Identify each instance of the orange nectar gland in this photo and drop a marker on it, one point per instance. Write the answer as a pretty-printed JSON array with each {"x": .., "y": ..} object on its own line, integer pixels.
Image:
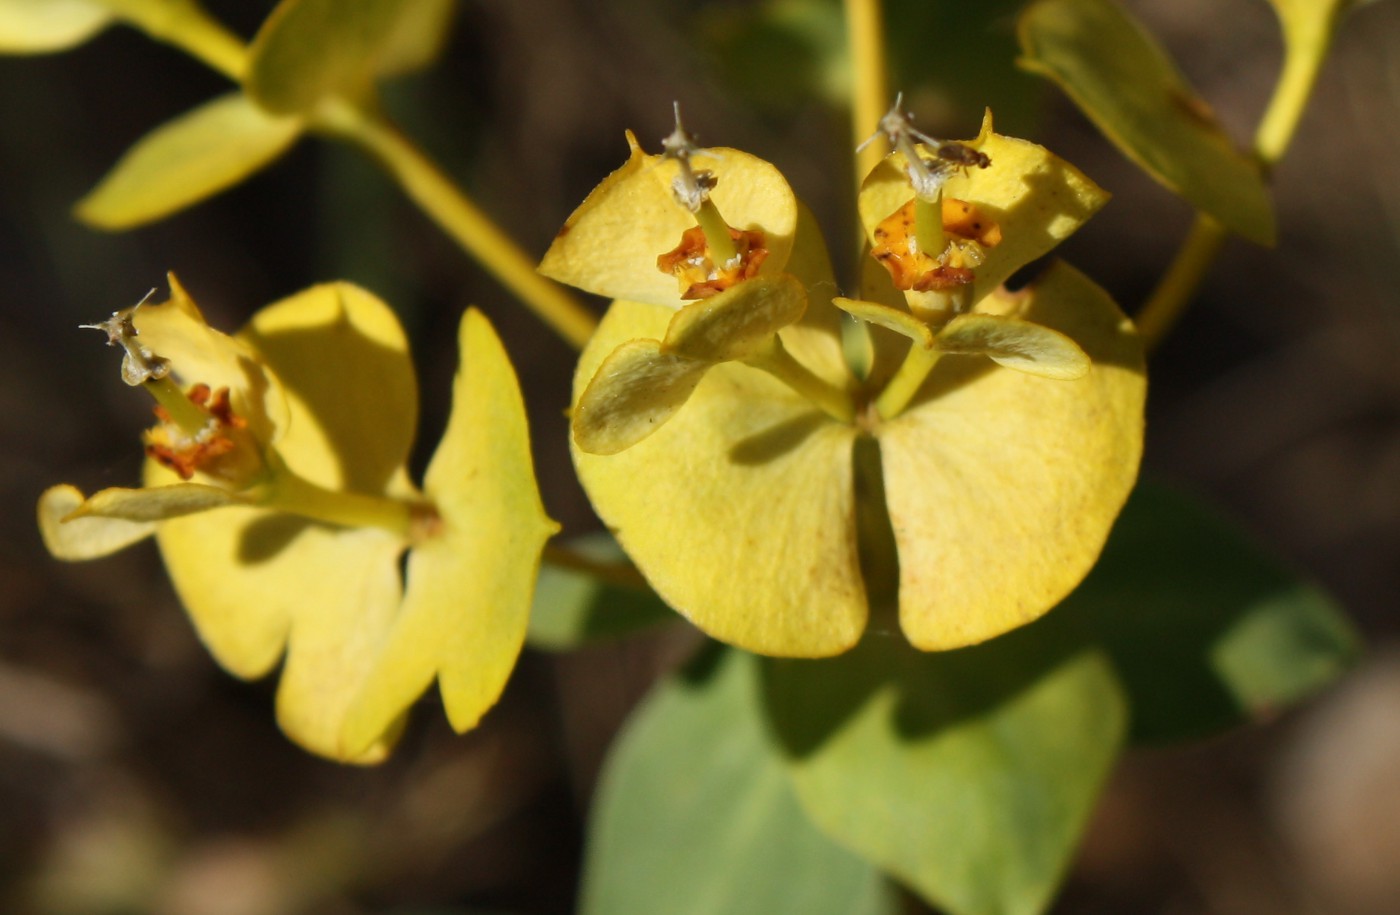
[
  {"x": 970, "y": 232},
  {"x": 700, "y": 277},
  {"x": 213, "y": 450}
]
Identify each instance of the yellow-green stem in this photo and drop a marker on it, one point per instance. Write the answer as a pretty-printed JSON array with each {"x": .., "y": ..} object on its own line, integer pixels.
[
  {"x": 778, "y": 362},
  {"x": 918, "y": 362},
  {"x": 451, "y": 209},
  {"x": 183, "y": 412},
  {"x": 288, "y": 492},
  {"x": 185, "y": 25},
  {"x": 623, "y": 574},
  {"x": 870, "y": 96},
  {"x": 1302, "y": 63},
  {"x": 1177, "y": 286},
  {"x": 717, "y": 238},
  {"x": 928, "y": 225}
]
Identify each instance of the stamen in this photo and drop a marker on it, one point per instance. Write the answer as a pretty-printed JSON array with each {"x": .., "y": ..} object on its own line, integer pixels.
[
  {"x": 692, "y": 191},
  {"x": 139, "y": 364},
  {"x": 927, "y": 176}
]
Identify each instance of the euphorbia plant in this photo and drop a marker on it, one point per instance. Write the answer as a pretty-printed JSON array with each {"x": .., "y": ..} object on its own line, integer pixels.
[
  {"x": 716, "y": 421},
  {"x": 885, "y": 493}
]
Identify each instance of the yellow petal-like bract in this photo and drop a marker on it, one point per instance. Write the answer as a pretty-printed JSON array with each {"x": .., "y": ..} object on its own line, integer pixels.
[
  {"x": 258, "y": 583},
  {"x": 1002, "y": 485},
  {"x": 740, "y": 510},
  {"x": 469, "y": 588},
  {"x": 611, "y": 242},
  {"x": 1008, "y": 438},
  {"x": 1035, "y": 197}
]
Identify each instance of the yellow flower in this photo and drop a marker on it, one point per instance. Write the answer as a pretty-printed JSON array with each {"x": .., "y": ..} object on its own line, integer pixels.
[
  {"x": 284, "y": 543},
  {"x": 740, "y": 461}
]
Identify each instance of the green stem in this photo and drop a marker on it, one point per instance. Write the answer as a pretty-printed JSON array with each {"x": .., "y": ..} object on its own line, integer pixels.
[
  {"x": 1302, "y": 62},
  {"x": 288, "y": 492},
  {"x": 185, "y": 25},
  {"x": 778, "y": 362},
  {"x": 457, "y": 215},
  {"x": 1177, "y": 286},
  {"x": 870, "y": 94},
  {"x": 623, "y": 574},
  {"x": 717, "y": 238},
  {"x": 918, "y": 362},
  {"x": 1303, "y": 59}
]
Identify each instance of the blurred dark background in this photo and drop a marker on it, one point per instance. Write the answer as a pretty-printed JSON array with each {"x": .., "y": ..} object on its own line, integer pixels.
[{"x": 137, "y": 777}]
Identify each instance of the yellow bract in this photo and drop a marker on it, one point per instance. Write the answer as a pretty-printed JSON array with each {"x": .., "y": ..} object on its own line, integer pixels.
[
  {"x": 643, "y": 382},
  {"x": 1036, "y": 198},
  {"x": 738, "y": 497},
  {"x": 611, "y": 242},
  {"x": 739, "y": 509},
  {"x": 303, "y": 565},
  {"x": 1002, "y": 486}
]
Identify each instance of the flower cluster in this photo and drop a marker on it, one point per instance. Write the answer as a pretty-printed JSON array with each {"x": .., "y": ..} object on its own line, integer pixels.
[
  {"x": 721, "y": 431},
  {"x": 276, "y": 488}
]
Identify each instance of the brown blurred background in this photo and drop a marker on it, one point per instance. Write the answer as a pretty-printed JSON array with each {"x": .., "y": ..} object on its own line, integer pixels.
[{"x": 137, "y": 777}]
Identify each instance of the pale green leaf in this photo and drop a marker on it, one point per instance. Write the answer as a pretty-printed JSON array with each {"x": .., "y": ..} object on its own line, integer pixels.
[
  {"x": 1016, "y": 344},
  {"x": 633, "y": 393},
  {"x": 1126, "y": 84},
  {"x": 1204, "y": 628},
  {"x": 186, "y": 160},
  {"x": 895, "y": 319},
  {"x": 72, "y": 539},
  {"x": 737, "y": 323},
  {"x": 695, "y": 814},
  {"x": 39, "y": 26},
  {"x": 969, "y": 775}
]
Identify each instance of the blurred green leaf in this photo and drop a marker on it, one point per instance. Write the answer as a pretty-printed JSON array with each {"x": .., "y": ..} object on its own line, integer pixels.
[
  {"x": 1204, "y": 629},
  {"x": 968, "y": 774},
  {"x": 695, "y": 813},
  {"x": 951, "y": 60},
  {"x": 1123, "y": 80},
  {"x": 780, "y": 52},
  {"x": 954, "y": 60},
  {"x": 575, "y": 607},
  {"x": 185, "y": 160},
  {"x": 310, "y": 49},
  {"x": 39, "y": 26}
]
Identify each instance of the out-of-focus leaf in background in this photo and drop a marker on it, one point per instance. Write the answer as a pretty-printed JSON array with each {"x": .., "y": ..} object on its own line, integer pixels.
[
  {"x": 968, "y": 774},
  {"x": 1132, "y": 91},
  {"x": 1204, "y": 629},
  {"x": 696, "y": 814},
  {"x": 186, "y": 160}
]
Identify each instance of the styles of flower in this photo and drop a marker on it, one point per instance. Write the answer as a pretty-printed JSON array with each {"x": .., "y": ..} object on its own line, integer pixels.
[
  {"x": 971, "y": 457},
  {"x": 277, "y": 491}
]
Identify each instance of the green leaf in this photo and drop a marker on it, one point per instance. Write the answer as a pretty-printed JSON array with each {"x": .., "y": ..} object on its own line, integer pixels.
[
  {"x": 40, "y": 26},
  {"x": 310, "y": 49},
  {"x": 186, "y": 160},
  {"x": 573, "y": 607},
  {"x": 1123, "y": 80},
  {"x": 1204, "y": 629},
  {"x": 695, "y": 814},
  {"x": 969, "y": 774}
]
